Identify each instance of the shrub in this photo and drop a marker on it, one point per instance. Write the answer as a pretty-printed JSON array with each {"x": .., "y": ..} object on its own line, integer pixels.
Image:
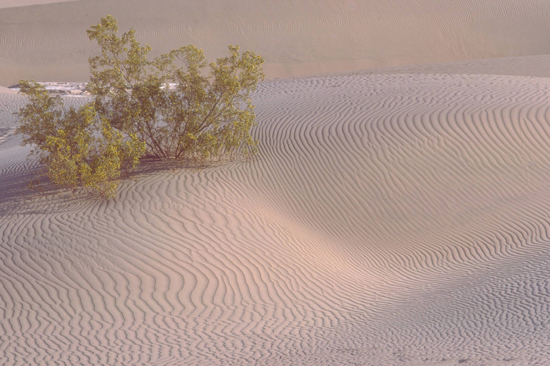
[
  {"x": 75, "y": 146},
  {"x": 201, "y": 115},
  {"x": 168, "y": 107}
]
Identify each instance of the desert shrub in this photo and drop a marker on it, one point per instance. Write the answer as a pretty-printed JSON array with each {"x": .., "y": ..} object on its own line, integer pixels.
[
  {"x": 168, "y": 107},
  {"x": 173, "y": 103},
  {"x": 75, "y": 146}
]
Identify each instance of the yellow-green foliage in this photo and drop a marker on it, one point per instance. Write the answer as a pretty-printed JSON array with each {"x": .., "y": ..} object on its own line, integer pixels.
[
  {"x": 75, "y": 146},
  {"x": 207, "y": 114}
]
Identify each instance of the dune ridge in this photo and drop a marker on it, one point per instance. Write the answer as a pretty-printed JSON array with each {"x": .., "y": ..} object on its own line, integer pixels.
[{"x": 389, "y": 219}]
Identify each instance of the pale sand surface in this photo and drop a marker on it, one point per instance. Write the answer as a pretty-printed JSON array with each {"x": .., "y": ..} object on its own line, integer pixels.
[
  {"x": 393, "y": 219},
  {"x": 538, "y": 66},
  {"x": 4, "y": 90},
  {"x": 297, "y": 37},
  {"x": 19, "y": 3},
  {"x": 394, "y": 216}
]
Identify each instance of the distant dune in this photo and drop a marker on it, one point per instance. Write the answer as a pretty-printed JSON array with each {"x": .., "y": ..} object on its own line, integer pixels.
[
  {"x": 20, "y": 3},
  {"x": 297, "y": 37}
]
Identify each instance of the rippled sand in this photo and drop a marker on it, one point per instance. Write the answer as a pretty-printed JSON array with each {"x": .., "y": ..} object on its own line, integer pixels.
[
  {"x": 394, "y": 216},
  {"x": 389, "y": 219}
]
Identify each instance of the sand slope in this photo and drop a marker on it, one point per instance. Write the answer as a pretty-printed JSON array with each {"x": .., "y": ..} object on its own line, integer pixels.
[
  {"x": 304, "y": 37},
  {"x": 20, "y": 3},
  {"x": 389, "y": 220},
  {"x": 538, "y": 66},
  {"x": 4, "y": 90}
]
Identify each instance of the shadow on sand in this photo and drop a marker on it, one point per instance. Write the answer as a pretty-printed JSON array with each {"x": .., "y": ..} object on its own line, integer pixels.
[{"x": 19, "y": 198}]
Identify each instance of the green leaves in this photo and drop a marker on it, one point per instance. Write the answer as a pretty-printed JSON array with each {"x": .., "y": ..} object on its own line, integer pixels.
[
  {"x": 175, "y": 106},
  {"x": 75, "y": 146},
  {"x": 201, "y": 115}
]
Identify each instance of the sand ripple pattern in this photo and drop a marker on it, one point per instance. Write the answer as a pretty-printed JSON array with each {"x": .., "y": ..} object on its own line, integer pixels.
[{"x": 389, "y": 220}]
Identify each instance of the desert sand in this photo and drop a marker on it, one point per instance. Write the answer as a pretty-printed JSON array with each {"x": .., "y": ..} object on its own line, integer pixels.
[
  {"x": 20, "y": 3},
  {"x": 296, "y": 37},
  {"x": 397, "y": 216},
  {"x": 4, "y": 90}
]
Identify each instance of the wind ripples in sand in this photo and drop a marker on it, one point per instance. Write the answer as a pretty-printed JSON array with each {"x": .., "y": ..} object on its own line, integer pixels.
[{"x": 387, "y": 220}]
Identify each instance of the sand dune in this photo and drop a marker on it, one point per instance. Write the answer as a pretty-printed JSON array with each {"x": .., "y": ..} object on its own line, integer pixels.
[
  {"x": 19, "y": 3},
  {"x": 389, "y": 220},
  {"x": 538, "y": 66},
  {"x": 395, "y": 216},
  {"x": 4, "y": 90},
  {"x": 297, "y": 38}
]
